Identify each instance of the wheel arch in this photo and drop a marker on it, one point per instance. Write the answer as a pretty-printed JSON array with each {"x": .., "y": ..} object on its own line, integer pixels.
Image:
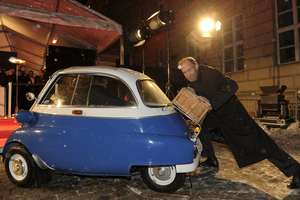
[{"x": 10, "y": 145}]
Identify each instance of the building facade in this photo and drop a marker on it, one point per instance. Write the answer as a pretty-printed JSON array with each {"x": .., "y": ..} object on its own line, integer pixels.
[{"x": 258, "y": 44}]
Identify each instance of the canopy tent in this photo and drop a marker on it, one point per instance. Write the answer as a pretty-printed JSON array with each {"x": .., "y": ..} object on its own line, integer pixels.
[{"x": 27, "y": 27}]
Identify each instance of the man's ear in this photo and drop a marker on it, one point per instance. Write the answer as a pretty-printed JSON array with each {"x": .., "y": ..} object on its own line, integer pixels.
[{"x": 196, "y": 66}]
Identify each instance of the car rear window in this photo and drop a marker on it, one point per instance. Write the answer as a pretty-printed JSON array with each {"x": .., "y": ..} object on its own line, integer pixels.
[{"x": 151, "y": 94}]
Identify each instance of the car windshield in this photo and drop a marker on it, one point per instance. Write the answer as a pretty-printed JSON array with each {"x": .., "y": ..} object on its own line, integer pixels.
[{"x": 152, "y": 94}]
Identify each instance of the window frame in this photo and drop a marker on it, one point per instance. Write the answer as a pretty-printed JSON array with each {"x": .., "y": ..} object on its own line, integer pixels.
[
  {"x": 192, "y": 45},
  {"x": 295, "y": 27},
  {"x": 234, "y": 45}
]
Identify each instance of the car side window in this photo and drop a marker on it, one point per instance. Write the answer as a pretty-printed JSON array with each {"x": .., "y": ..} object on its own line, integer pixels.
[
  {"x": 69, "y": 89},
  {"x": 61, "y": 92},
  {"x": 107, "y": 91},
  {"x": 88, "y": 90},
  {"x": 82, "y": 88}
]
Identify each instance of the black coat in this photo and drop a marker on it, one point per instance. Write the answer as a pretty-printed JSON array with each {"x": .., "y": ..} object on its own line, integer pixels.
[{"x": 247, "y": 141}]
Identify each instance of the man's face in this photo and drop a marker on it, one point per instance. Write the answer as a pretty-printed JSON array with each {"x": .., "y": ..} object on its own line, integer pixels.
[
  {"x": 31, "y": 74},
  {"x": 189, "y": 70},
  {"x": 23, "y": 69}
]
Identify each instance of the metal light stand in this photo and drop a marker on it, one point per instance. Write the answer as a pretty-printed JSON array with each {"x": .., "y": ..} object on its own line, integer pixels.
[
  {"x": 143, "y": 67},
  {"x": 17, "y": 83},
  {"x": 168, "y": 85}
]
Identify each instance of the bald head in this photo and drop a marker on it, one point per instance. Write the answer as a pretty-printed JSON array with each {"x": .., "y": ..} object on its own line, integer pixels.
[{"x": 189, "y": 68}]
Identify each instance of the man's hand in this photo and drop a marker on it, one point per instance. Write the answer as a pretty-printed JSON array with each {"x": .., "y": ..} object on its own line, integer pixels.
[
  {"x": 204, "y": 99},
  {"x": 191, "y": 89}
]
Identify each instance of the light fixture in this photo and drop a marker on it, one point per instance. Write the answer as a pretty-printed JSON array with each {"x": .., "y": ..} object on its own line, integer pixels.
[
  {"x": 218, "y": 25},
  {"x": 16, "y": 60},
  {"x": 208, "y": 27},
  {"x": 159, "y": 19},
  {"x": 55, "y": 39},
  {"x": 140, "y": 35}
]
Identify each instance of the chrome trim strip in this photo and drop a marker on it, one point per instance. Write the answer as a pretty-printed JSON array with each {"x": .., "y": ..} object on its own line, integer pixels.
[
  {"x": 40, "y": 162},
  {"x": 140, "y": 117}
]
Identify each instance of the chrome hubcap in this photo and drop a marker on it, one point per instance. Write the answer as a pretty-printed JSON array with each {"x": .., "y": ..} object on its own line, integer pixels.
[
  {"x": 164, "y": 175},
  {"x": 17, "y": 167},
  {"x": 161, "y": 173}
]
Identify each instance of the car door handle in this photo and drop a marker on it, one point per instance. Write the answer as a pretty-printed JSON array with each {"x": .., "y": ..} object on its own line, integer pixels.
[{"x": 77, "y": 112}]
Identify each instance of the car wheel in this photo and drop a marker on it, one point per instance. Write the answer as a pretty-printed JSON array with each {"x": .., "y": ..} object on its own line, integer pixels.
[
  {"x": 19, "y": 166},
  {"x": 162, "y": 178}
]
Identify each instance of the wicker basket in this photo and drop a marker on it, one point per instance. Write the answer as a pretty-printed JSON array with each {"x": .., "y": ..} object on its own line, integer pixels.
[{"x": 189, "y": 104}]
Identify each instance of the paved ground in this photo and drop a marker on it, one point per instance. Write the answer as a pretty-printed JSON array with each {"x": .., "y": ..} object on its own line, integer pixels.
[{"x": 259, "y": 181}]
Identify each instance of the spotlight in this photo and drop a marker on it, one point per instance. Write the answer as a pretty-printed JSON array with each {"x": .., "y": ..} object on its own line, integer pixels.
[
  {"x": 160, "y": 19},
  {"x": 144, "y": 33},
  {"x": 140, "y": 35}
]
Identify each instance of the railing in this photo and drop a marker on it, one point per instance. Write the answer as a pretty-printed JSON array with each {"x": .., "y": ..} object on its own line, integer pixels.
[
  {"x": 13, "y": 95},
  {"x": 250, "y": 102}
]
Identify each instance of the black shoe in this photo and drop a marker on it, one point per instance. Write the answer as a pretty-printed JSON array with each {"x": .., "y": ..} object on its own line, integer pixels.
[
  {"x": 210, "y": 163},
  {"x": 295, "y": 184}
]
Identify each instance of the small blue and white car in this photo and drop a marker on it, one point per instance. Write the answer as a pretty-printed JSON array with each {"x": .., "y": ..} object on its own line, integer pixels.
[{"x": 101, "y": 121}]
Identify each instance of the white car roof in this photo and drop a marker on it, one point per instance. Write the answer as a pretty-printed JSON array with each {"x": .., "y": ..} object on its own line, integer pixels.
[{"x": 127, "y": 74}]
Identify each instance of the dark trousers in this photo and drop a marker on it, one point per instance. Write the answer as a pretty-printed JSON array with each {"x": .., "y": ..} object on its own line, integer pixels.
[{"x": 284, "y": 162}]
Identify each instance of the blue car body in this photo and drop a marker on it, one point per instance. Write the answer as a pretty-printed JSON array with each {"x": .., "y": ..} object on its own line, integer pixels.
[{"x": 103, "y": 140}]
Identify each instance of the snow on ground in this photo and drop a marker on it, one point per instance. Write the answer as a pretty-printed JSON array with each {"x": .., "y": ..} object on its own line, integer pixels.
[{"x": 285, "y": 137}]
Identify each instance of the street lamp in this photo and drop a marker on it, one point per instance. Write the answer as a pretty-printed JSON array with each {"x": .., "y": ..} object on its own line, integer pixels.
[
  {"x": 206, "y": 30},
  {"x": 17, "y": 62},
  {"x": 209, "y": 27}
]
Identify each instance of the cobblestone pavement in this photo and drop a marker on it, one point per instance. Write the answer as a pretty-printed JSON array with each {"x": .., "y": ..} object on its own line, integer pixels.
[{"x": 258, "y": 181}]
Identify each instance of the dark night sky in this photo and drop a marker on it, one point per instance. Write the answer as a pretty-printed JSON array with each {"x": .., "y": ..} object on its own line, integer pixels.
[{"x": 83, "y": 1}]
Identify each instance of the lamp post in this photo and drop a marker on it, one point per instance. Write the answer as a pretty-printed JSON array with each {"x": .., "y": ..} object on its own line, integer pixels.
[
  {"x": 17, "y": 62},
  {"x": 208, "y": 28}
]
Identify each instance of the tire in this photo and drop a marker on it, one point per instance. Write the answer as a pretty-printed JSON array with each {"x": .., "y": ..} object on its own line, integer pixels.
[
  {"x": 19, "y": 166},
  {"x": 162, "y": 178}
]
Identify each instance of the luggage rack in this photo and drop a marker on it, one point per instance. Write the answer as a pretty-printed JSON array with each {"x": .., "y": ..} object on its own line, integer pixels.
[{"x": 197, "y": 123}]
